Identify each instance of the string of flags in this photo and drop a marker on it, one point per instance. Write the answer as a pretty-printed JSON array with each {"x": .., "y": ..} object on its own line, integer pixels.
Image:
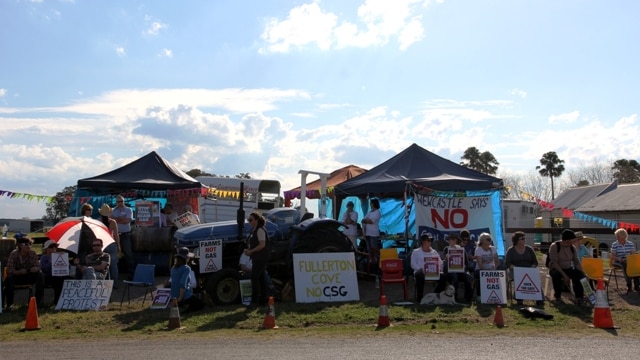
[
  {"x": 568, "y": 213},
  {"x": 26, "y": 196}
]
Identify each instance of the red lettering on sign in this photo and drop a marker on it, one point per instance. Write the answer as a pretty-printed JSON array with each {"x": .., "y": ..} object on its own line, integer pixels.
[{"x": 450, "y": 219}]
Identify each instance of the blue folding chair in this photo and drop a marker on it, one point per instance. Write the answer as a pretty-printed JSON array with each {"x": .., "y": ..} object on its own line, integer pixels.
[{"x": 144, "y": 276}]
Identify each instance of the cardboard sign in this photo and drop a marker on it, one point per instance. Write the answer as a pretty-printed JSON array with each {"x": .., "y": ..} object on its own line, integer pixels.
[
  {"x": 210, "y": 256},
  {"x": 85, "y": 295},
  {"x": 144, "y": 213},
  {"x": 60, "y": 264},
  {"x": 325, "y": 277},
  {"x": 493, "y": 286},
  {"x": 245, "y": 291},
  {"x": 455, "y": 260},
  {"x": 588, "y": 291},
  {"x": 431, "y": 267},
  {"x": 186, "y": 219},
  {"x": 526, "y": 281},
  {"x": 161, "y": 298}
]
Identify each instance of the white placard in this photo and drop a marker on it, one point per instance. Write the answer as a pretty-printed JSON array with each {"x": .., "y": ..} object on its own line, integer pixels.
[
  {"x": 161, "y": 298},
  {"x": 245, "y": 291},
  {"x": 526, "y": 282},
  {"x": 59, "y": 264},
  {"x": 85, "y": 294},
  {"x": 493, "y": 286},
  {"x": 325, "y": 277},
  {"x": 186, "y": 219},
  {"x": 210, "y": 256}
]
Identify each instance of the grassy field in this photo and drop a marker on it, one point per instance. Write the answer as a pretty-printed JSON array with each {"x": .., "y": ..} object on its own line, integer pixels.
[{"x": 352, "y": 319}]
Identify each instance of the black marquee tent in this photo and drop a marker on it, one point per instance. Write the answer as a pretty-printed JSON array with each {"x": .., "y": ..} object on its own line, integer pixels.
[
  {"x": 419, "y": 167},
  {"x": 150, "y": 172}
]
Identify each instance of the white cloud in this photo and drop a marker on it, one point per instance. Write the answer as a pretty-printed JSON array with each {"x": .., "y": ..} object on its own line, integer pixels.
[
  {"x": 120, "y": 51},
  {"x": 567, "y": 118},
  {"x": 518, "y": 92},
  {"x": 154, "y": 28},
  {"x": 166, "y": 53},
  {"x": 377, "y": 22},
  {"x": 3, "y": 92}
]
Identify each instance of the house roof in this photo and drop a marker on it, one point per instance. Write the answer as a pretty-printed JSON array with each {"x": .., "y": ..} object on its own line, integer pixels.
[
  {"x": 573, "y": 198},
  {"x": 624, "y": 197},
  {"x": 336, "y": 177}
]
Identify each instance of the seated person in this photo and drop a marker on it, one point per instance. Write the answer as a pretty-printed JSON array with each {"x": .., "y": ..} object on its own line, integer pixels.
[
  {"x": 420, "y": 260},
  {"x": 469, "y": 246},
  {"x": 520, "y": 255},
  {"x": 564, "y": 266},
  {"x": 486, "y": 256},
  {"x": 583, "y": 251},
  {"x": 56, "y": 282},
  {"x": 619, "y": 251},
  {"x": 454, "y": 277},
  {"x": 96, "y": 264},
  {"x": 23, "y": 268},
  {"x": 180, "y": 283}
]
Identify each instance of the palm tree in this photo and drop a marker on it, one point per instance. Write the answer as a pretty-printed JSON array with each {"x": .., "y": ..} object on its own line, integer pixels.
[
  {"x": 483, "y": 162},
  {"x": 551, "y": 166},
  {"x": 626, "y": 171}
]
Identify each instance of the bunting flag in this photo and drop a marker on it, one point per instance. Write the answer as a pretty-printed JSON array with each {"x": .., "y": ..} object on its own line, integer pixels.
[
  {"x": 309, "y": 194},
  {"x": 568, "y": 213},
  {"x": 25, "y": 196}
]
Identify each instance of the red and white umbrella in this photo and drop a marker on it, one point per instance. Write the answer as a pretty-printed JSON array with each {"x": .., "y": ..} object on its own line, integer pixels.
[{"x": 70, "y": 233}]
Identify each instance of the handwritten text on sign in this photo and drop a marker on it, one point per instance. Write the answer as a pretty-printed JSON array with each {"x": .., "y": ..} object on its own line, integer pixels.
[
  {"x": 210, "y": 255},
  {"x": 85, "y": 294},
  {"x": 325, "y": 277}
]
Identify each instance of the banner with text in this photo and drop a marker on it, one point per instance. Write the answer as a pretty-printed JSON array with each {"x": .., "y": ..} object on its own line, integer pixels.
[
  {"x": 325, "y": 277},
  {"x": 441, "y": 215},
  {"x": 210, "y": 255},
  {"x": 85, "y": 295}
]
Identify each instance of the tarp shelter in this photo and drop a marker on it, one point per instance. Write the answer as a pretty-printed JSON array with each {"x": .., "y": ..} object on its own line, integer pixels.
[
  {"x": 416, "y": 169},
  {"x": 150, "y": 172}
]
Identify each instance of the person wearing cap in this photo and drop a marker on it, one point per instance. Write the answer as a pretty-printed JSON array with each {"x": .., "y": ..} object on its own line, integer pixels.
[
  {"x": 23, "y": 268},
  {"x": 113, "y": 249},
  {"x": 582, "y": 250},
  {"x": 55, "y": 282},
  {"x": 420, "y": 258},
  {"x": 619, "y": 251},
  {"x": 565, "y": 266},
  {"x": 180, "y": 282},
  {"x": 350, "y": 221}
]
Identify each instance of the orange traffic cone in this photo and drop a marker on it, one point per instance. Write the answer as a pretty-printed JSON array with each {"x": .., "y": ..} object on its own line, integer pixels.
[
  {"x": 383, "y": 317},
  {"x": 32, "y": 322},
  {"x": 270, "y": 319},
  {"x": 174, "y": 316},
  {"x": 601, "y": 311},
  {"x": 497, "y": 319}
]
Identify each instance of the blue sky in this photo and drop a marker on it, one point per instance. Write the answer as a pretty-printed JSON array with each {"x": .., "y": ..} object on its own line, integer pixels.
[{"x": 272, "y": 87}]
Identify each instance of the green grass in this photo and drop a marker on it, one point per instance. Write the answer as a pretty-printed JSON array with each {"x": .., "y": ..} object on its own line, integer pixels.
[{"x": 350, "y": 319}]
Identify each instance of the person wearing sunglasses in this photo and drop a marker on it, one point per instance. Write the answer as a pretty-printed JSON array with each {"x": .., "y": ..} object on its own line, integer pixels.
[
  {"x": 23, "y": 268},
  {"x": 97, "y": 263}
]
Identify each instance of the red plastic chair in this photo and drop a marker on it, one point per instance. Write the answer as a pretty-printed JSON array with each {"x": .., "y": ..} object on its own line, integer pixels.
[{"x": 392, "y": 273}]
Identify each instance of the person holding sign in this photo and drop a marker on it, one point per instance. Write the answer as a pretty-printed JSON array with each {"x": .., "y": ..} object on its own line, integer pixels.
[
  {"x": 455, "y": 266},
  {"x": 259, "y": 253},
  {"x": 96, "y": 264},
  {"x": 180, "y": 282},
  {"x": 426, "y": 265},
  {"x": 520, "y": 254},
  {"x": 56, "y": 282},
  {"x": 486, "y": 256}
]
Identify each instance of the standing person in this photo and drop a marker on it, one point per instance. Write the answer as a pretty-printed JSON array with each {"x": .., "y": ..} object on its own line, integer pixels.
[
  {"x": 564, "y": 266},
  {"x": 123, "y": 217},
  {"x": 370, "y": 223},
  {"x": 259, "y": 253},
  {"x": 419, "y": 258},
  {"x": 189, "y": 208},
  {"x": 520, "y": 254},
  {"x": 180, "y": 282},
  {"x": 619, "y": 251},
  {"x": 350, "y": 220},
  {"x": 23, "y": 268},
  {"x": 114, "y": 248},
  {"x": 170, "y": 215},
  {"x": 56, "y": 282},
  {"x": 97, "y": 263},
  {"x": 84, "y": 245}
]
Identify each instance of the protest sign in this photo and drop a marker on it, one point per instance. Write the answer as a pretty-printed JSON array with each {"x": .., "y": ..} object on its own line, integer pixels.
[
  {"x": 245, "y": 291},
  {"x": 59, "y": 264},
  {"x": 85, "y": 294},
  {"x": 455, "y": 260},
  {"x": 493, "y": 287},
  {"x": 431, "y": 267},
  {"x": 325, "y": 277},
  {"x": 526, "y": 281},
  {"x": 161, "y": 298},
  {"x": 186, "y": 219},
  {"x": 210, "y": 255}
]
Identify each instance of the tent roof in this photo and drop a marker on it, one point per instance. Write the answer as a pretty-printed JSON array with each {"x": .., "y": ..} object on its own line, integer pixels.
[
  {"x": 336, "y": 177},
  {"x": 420, "y": 167},
  {"x": 150, "y": 172}
]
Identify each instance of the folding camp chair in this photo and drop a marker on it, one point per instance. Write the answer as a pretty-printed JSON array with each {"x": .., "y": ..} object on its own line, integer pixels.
[{"x": 144, "y": 276}]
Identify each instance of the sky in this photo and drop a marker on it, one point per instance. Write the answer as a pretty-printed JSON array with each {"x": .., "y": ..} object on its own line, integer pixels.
[{"x": 272, "y": 87}]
